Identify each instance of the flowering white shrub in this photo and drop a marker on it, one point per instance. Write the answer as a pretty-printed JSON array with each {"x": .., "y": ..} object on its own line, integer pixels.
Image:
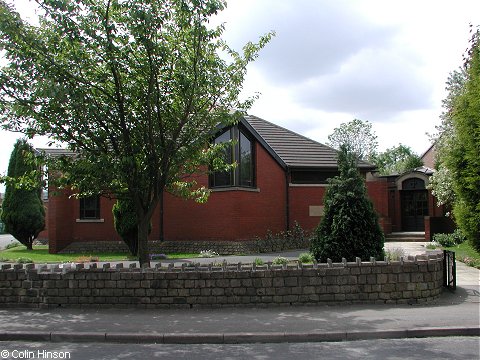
[{"x": 208, "y": 254}]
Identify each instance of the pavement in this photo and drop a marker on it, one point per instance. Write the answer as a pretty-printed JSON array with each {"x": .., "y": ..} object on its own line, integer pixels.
[
  {"x": 454, "y": 313},
  {"x": 6, "y": 239}
]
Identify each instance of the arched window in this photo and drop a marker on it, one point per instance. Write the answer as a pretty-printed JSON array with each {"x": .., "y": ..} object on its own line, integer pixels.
[
  {"x": 413, "y": 184},
  {"x": 242, "y": 153}
]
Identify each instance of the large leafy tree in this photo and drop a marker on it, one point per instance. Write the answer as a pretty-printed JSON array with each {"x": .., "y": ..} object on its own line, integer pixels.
[
  {"x": 349, "y": 227},
  {"x": 23, "y": 213},
  {"x": 358, "y": 136},
  {"x": 441, "y": 181},
  {"x": 396, "y": 160},
  {"x": 462, "y": 158},
  {"x": 135, "y": 88}
]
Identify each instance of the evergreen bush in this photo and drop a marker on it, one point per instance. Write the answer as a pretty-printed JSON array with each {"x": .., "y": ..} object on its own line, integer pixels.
[
  {"x": 125, "y": 222},
  {"x": 22, "y": 210},
  {"x": 449, "y": 240},
  {"x": 349, "y": 228}
]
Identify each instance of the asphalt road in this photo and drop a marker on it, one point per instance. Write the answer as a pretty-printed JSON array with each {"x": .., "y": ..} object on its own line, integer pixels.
[{"x": 461, "y": 348}]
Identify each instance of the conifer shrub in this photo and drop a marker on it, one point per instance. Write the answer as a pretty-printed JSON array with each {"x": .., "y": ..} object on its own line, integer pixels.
[
  {"x": 23, "y": 212},
  {"x": 125, "y": 223},
  {"x": 349, "y": 228}
]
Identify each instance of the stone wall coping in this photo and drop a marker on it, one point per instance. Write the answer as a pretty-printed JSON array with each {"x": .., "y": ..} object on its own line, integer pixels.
[{"x": 214, "y": 267}]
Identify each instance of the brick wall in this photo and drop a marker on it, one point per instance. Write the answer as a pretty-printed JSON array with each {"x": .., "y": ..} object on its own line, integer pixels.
[
  {"x": 43, "y": 236},
  {"x": 414, "y": 280},
  {"x": 301, "y": 198},
  {"x": 378, "y": 192},
  {"x": 429, "y": 157},
  {"x": 233, "y": 214}
]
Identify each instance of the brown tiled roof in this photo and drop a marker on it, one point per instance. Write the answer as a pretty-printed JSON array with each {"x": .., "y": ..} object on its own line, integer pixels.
[
  {"x": 292, "y": 149},
  {"x": 55, "y": 152}
]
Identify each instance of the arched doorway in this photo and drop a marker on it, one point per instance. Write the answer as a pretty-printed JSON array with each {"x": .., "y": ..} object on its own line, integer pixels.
[{"x": 414, "y": 204}]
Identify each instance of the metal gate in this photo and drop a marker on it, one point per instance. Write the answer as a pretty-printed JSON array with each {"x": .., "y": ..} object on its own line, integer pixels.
[{"x": 449, "y": 270}]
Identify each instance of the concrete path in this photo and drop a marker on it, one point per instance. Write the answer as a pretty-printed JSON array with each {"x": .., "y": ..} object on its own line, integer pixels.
[
  {"x": 407, "y": 248},
  {"x": 453, "y": 314},
  {"x": 6, "y": 239}
]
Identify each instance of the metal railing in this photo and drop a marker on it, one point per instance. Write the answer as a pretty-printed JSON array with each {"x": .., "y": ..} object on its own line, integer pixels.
[{"x": 449, "y": 270}]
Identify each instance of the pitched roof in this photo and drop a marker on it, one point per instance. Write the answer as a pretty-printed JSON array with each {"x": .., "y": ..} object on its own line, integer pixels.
[
  {"x": 288, "y": 148},
  {"x": 291, "y": 149},
  {"x": 55, "y": 152}
]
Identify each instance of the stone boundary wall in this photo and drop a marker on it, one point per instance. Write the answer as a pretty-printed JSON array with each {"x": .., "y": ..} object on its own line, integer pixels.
[
  {"x": 157, "y": 247},
  {"x": 414, "y": 280}
]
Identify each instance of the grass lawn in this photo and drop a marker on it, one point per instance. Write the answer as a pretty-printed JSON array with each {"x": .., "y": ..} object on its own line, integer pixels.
[
  {"x": 40, "y": 254},
  {"x": 466, "y": 254}
]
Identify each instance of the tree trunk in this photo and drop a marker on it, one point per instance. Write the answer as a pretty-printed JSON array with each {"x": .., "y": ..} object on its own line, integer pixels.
[
  {"x": 143, "y": 252},
  {"x": 29, "y": 244}
]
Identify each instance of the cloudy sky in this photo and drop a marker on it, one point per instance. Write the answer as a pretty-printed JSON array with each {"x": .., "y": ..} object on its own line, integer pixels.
[{"x": 335, "y": 60}]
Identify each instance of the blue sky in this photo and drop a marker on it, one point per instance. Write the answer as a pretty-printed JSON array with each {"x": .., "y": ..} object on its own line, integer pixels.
[{"x": 332, "y": 61}]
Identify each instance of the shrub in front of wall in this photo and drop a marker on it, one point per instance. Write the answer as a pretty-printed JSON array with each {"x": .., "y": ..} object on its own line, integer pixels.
[
  {"x": 23, "y": 213},
  {"x": 446, "y": 240},
  {"x": 350, "y": 227},
  {"x": 305, "y": 258},
  {"x": 296, "y": 238},
  {"x": 125, "y": 223},
  {"x": 458, "y": 236},
  {"x": 449, "y": 240},
  {"x": 208, "y": 254},
  {"x": 395, "y": 254},
  {"x": 280, "y": 260},
  {"x": 258, "y": 262}
]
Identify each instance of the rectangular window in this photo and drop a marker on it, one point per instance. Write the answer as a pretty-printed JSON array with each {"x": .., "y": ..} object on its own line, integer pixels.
[
  {"x": 246, "y": 162},
  {"x": 312, "y": 176},
  {"x": 223, "y": 178},
  {"x": 90, "y": 208}
]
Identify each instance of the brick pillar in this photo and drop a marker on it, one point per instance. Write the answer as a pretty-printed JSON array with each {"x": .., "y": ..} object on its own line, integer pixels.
[
  {"x": 427, "y": 228},
  {"x": 59, "y": 221}
]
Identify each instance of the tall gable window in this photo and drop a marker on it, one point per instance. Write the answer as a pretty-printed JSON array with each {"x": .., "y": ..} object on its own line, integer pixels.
[
  {"x": 242, "y": 153},
  {"x": 223, "y": 178},
  {"x": 245, "y": 161},
  {"x": 90, "y": 208}
]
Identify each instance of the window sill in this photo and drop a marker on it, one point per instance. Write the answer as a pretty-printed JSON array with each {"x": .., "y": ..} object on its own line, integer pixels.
[
  {"x": 90, "y": 220},
  {"x": 308, "y": 185},
  {"x": 235, "y": 188}
]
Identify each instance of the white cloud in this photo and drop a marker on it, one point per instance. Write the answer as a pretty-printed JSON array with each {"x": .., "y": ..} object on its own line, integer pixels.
[
  {"x": 313, "y": 38},
  {"x": 374, "y": 84}
]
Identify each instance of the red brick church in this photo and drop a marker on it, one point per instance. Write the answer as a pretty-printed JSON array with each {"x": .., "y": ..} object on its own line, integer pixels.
[{"x": 280, "y": 179}]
